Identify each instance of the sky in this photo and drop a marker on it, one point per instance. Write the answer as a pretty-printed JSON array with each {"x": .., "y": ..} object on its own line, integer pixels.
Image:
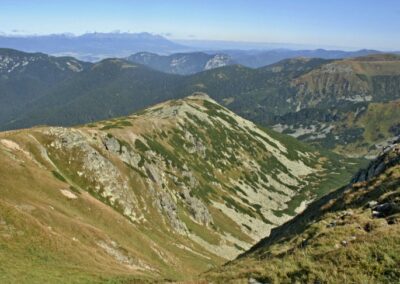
[{"x": 339, "y": 23}]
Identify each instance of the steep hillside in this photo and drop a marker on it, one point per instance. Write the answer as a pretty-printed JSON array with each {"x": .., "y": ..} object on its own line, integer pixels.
[
  {"x": 181, "y": 63},
  {"x": 162, "y": 194},
  {"x": 25, "y": 77},
  {"x": 349, "y": 105},
  {"x": 257, "y": 94},
  {"x": 349, "y": 236},
  {"x": 360, "y": 130},
  {"x": 360, "y": 79},
  {"x": 110, "y": 88}
]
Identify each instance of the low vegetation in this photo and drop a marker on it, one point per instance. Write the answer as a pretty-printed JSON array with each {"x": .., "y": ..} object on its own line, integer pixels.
[
  {"x": 350, "y": 235},
  {"x": 162, "y": 195}
]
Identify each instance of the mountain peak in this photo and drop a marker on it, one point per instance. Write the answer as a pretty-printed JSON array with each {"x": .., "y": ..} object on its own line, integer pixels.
[
  {"x": 200, "y": 96},
  {"x": 121, "y": 35}
]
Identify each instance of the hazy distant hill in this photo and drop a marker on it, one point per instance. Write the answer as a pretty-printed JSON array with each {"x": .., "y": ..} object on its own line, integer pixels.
[
  {"x": 96, "y": 46},
  {"x": 259, "y": 58},
  {"x": 181, "y": 63},
  {"x": 25, "y": 77},
  {"x": 110, "y": 88},
  {"x": 194, "y": 62},
  {"x": 92, "y": 46}
]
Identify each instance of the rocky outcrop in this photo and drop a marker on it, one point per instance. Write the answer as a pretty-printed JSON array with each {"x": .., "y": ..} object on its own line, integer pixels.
[
  {"x": 168, "y": 208},
  {"x": 196, "y": 207},
  {"x": 195, "y": 145},
  {"x": 123, "y": 151},
  {"x": 105, "y": 179},
  {"x": 389, "y": 157}
]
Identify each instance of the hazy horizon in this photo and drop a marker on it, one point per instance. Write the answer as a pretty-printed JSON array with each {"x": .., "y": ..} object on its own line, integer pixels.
[
  {"x": 350, "y": 24},
  {"x": 204, "y": 44}
]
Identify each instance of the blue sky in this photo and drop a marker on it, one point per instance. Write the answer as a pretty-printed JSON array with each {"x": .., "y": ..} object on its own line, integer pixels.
[{"x": 346, "y": 23}]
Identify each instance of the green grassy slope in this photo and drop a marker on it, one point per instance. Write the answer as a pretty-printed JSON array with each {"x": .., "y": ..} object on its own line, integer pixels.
[{"x": 351, "y": 235}]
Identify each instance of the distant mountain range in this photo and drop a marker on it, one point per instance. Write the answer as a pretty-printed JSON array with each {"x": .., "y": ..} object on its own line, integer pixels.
[
  {"x": 194, "y": 62},
  {"x": 349, "y": 105},
  {"x": 259, "y": 58},
  {"x": 92, "y": 46},
  {"x": 97, "y": 46},
  {"x": 182, "y": 63}
]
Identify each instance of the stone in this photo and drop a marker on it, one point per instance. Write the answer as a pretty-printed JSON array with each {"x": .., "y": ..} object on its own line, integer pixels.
[
  {"x": 166, "y": 205},
  {"x": 113, "y": 145},
  {"x": 377, "y": 214},
  {"x": 331, "y": 224},
  {"x": 386, "y": 209},
  {"x": 346, "y": 213},
  {"x": 379, "y": 169},
  {"x": 197, "y": 145},
  {"x": 254, "y": 281},
  {"x": 197, "y": 209}
]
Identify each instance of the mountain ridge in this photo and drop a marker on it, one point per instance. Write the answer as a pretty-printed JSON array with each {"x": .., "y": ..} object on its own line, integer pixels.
[
  {"x": 329, "y": 103},
  {"x": 99, "y": 45},
  {"x": 165, "y": 193}
]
